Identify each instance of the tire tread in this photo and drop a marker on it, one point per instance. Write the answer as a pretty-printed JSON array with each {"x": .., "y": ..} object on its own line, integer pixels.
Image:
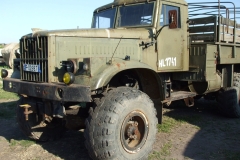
[{"x": 100, "y": 144}]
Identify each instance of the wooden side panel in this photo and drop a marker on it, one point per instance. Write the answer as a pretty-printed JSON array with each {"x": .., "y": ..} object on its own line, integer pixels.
[
  {"x": 203, "y": 29},
  {"x": 208, "y": 29},
  {"x": 205, "y": 20},
  {"x": 226, "y": 21},
  {"x": 229, "y": 38},
  {"x": 227, "y": 32},
  {"x": 238, "y": 25},
  {"x": 203, "y": 37}
]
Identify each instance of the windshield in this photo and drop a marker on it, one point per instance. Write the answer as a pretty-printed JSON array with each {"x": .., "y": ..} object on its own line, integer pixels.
[
  {"x": 135, "y": 15},
  {"x": 127, "y": 16},
  {"x": 104, "y": 19}
]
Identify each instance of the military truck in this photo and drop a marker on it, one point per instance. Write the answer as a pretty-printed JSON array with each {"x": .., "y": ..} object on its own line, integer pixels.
[
  {"x": 114, "y": 79},
  {"x": 9, "y": 53},
  {"x": 1, "y": 58}
]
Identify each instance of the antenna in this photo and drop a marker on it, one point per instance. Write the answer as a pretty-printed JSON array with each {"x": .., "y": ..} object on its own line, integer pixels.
[{"x": 110, "y": 62}]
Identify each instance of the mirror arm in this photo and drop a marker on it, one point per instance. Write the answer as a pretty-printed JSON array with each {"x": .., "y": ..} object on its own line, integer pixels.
[{"x": 159, "y": 31}]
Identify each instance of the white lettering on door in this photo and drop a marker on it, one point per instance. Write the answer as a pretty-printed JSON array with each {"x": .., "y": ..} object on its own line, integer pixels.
[{"x": 167, "y": 62}]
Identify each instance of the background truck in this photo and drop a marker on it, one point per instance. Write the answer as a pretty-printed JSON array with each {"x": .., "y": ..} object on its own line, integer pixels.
[
  {"x": 1, "y": 58},
  {"x": 114, "y": 79},
  {"x": 9, "y": 53}
]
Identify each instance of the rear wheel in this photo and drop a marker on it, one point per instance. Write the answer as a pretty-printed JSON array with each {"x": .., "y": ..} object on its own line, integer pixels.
[
  {"x": 228, "y": 102},
  {"x": 236, "y": 81},
  {"x": 39, "y": 126},
  {"x": 121, "y": 126}
]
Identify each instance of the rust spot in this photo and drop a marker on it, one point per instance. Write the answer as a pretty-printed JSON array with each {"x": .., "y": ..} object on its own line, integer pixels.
[
  {"x": 44, "y": 92},
  {"x": 118, "y": 65}
]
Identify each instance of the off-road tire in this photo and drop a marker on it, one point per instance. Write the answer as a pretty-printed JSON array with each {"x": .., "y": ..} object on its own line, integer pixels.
[
  {"x": 236, "y": 81},
  {"x": 36, "y": 128},
  {"x": 228, "y": 103},
  {"x": 106, "y": 122}
]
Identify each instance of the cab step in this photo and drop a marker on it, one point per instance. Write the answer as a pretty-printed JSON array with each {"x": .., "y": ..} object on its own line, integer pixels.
[{"x": 186, "y": 96}]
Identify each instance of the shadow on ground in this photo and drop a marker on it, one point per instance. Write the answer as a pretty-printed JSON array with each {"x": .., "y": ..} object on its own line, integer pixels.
[
  {"x": 217, "y": 136},
  {"x": 71, "y": 146}
]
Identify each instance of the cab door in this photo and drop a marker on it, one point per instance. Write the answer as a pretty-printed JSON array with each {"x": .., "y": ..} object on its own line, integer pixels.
[{"x": 172, "y": 38}]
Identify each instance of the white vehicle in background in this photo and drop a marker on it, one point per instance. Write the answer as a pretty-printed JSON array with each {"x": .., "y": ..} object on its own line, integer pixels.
[
  {"x": 9, "y": 53},
  {"x": 1, "y": 58}
]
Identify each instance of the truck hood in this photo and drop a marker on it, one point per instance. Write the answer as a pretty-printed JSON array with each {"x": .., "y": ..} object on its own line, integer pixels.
[{"x": 141, "y": 33}]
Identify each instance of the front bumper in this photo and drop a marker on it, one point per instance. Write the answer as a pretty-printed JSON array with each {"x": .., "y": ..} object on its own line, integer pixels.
[{"x": 50, "y": 91}]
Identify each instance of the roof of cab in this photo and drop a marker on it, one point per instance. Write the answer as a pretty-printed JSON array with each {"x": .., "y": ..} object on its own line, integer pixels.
[{"x": 125, "y": 2}]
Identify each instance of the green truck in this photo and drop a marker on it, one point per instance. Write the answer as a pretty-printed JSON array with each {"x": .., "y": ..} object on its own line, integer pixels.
[{"x": 114, "y": 79}]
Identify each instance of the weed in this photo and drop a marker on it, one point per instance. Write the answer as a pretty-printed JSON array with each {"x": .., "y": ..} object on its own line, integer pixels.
[
  {"x": 13, "y": 142},
  {"x": 197, "y": 127},
  {"x": 169, "y": 123},
  {"x": 4, "y": 67},
  {"x": 23, "y": 143},
  {"x": 154, "y": 155},
  {"x": 165, "y": 151},
  {"x": 7, "y": 95},
  {"x": 7, "y": 110}
]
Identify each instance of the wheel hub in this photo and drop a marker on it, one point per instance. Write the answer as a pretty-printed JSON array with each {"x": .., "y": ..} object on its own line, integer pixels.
[{"x": 134, "y": 132}]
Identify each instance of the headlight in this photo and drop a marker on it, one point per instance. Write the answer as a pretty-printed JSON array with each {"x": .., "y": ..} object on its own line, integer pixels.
[
  {"x": 68, "y": 78},
  {"x": 4, "y": 73},
  {"x": 70, "y": 66}
]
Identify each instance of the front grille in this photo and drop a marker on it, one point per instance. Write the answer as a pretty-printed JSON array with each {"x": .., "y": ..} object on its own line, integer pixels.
[{"x": 34, "y": 51}]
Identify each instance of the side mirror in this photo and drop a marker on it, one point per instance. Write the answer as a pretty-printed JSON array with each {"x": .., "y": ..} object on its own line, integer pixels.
[
  {"x": 173, "y": 22},
  {"x": 172, "y": 14}
]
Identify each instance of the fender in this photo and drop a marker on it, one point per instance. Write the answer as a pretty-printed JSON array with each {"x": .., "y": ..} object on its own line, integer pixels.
[
  {"x": 150, "y": 80},
  {"x": 106, "y": 72}
]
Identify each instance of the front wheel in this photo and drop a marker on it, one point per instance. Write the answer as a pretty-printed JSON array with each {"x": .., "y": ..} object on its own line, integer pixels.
[{"x": 121, "y": 126}]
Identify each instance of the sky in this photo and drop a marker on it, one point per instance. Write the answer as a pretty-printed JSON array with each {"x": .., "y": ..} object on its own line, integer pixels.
[{"x": 19, "y": 16}]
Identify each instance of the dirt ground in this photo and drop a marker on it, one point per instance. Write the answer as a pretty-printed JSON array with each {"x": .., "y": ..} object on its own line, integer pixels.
[
  {"x": 202, "y": 134},
  {"x": 206, "y": 135}
]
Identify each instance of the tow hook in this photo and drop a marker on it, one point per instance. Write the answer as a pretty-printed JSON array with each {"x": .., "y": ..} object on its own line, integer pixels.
[{"x": 26, "y": 111}]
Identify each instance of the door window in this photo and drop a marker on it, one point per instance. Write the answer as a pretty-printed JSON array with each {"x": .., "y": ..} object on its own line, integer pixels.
[{"x": 165, "y": 18}]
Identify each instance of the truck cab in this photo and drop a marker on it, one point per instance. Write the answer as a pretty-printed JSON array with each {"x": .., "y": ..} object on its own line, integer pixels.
[{"x": 151, "y": 16}]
